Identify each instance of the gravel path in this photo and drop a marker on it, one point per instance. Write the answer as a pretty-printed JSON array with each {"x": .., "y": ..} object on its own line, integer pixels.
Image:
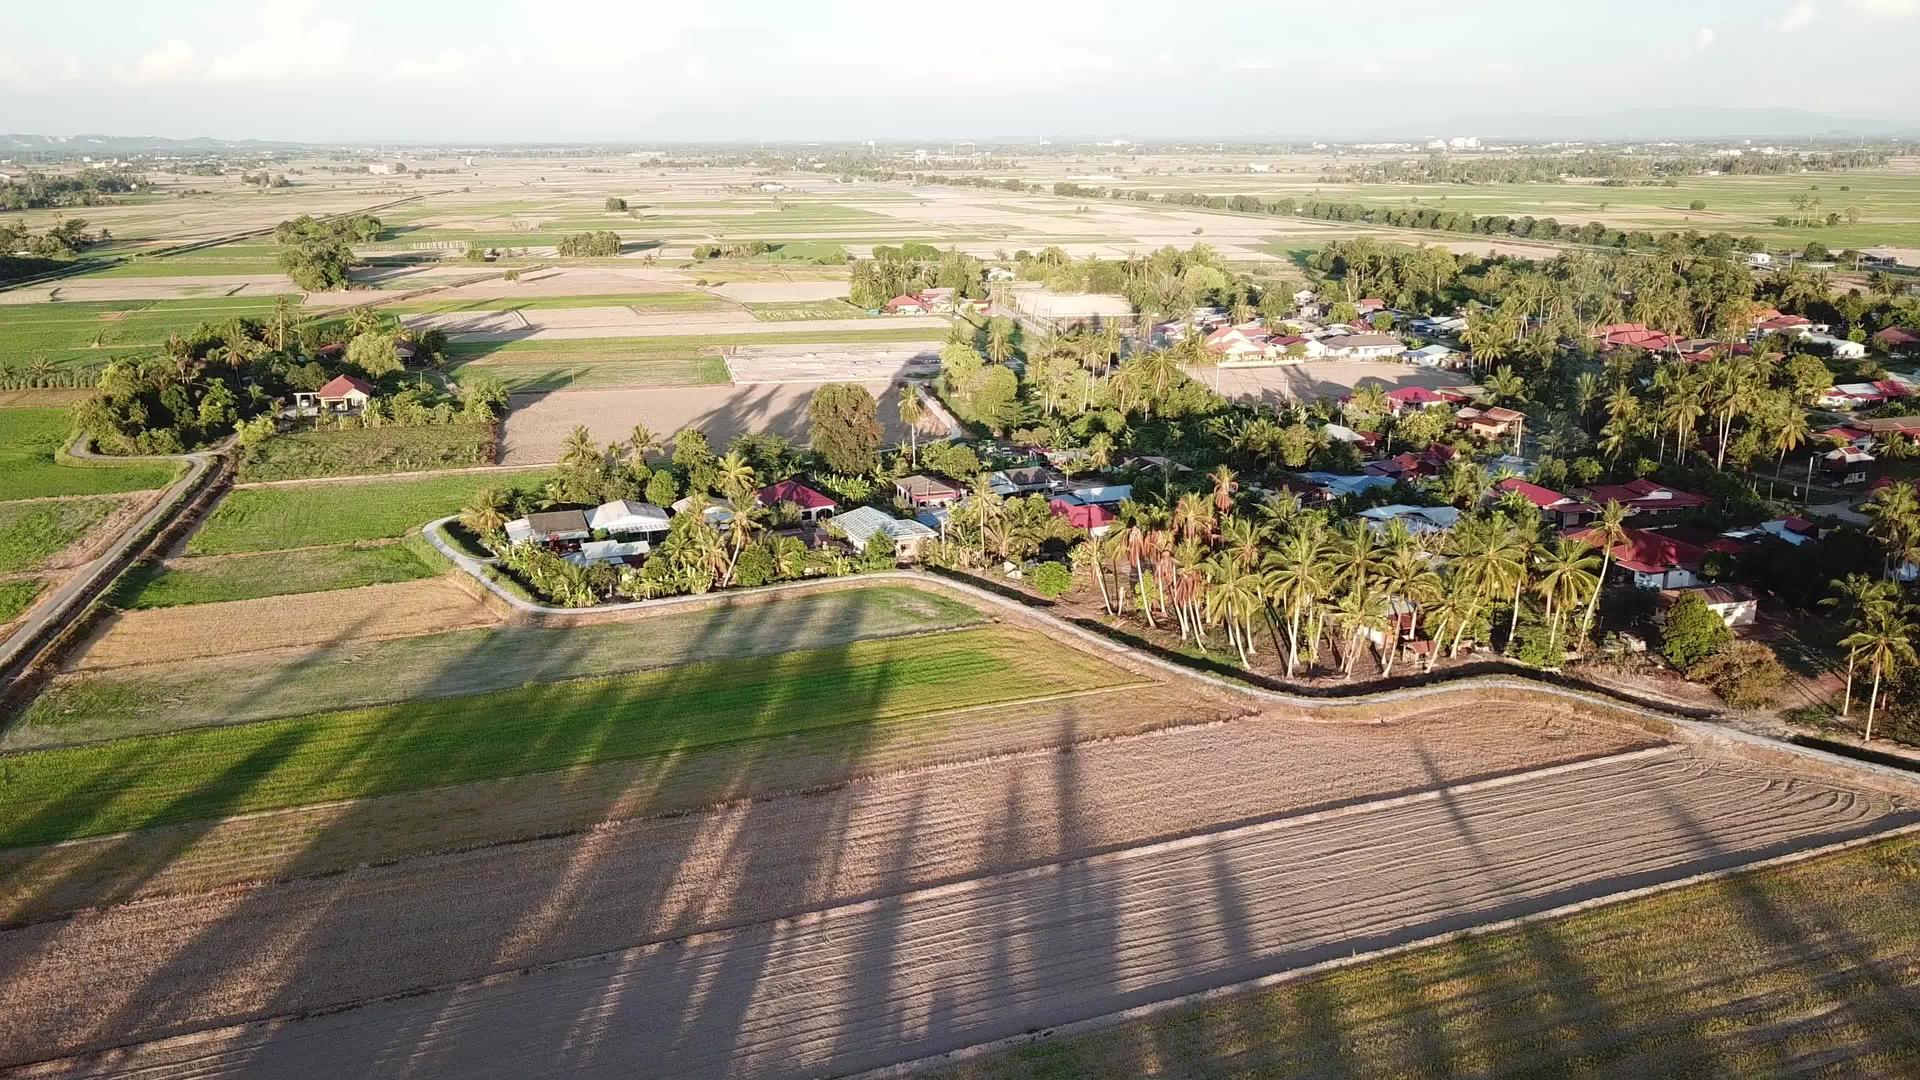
[{"x": 923, "y": 968}]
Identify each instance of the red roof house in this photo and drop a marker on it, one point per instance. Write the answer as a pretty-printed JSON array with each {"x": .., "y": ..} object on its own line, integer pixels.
[
  {"x": 1645, "y": 497},
  {"x": 344, "y": 392},
  {"x": 1413, "y": 397},
  {"x": 1553, "y": 505},
  {"x": 1897, "y": 338},
  {"x": 1783, "y": 323},
  {"x": 1087, "y": 517},
  {"x": 812, "y": 504},
  {"x": 903, "y": 303},
  {"x": 1655, "y": 561}
]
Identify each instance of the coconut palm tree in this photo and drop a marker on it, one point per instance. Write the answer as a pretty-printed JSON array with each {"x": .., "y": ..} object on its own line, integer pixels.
[
  {"x": 1407, "y": 576},
  {"x": 734, "y": 476},
  {"x": 484, "y": 515},
  {"x": 913, "y": 413},
  {"x": 1294, "y": 578},
  {"x": 1855, "y": 594},
  {"x": 1609, "y": 531},
  {"x": 641, "y": 442},
  {"x": 741, "y": 526},
  {"x": 1233, "y": 597},
  {"x": 1224, "y": 486},
  {"x": 1086, "y": 556},
  {"x": 1193, "y": 517},
  {"x": 1566, "y": 578},
  {"x": 1884, "y": 641}
]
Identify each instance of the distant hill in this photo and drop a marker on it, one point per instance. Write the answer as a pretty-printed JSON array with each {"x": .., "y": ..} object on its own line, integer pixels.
[{"x": 127, "y": 144}]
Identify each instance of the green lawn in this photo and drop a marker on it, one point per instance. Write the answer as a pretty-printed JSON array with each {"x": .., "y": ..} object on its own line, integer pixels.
[
  {"x": 15, "y": 595},
  {"x": 357, "y": 451},
  {"x": 274, "y": 573},
  {"x": 305, "y": 515},
  {"x": 30, "y": 532},
  {"x": 1807, "y": 970},
  {"x": 351, "y": 675},
  {"x": 75, "y": 333},
  {"x": 147, "y": 781},
  {"x": 33, "y": 463}
]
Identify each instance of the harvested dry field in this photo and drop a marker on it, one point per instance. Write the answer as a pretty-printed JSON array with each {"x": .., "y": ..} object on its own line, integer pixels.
[
  {"x": 1311, "y": 379},
  {"x": 964, "y": 908},
  {"x": 867, "y": 364},
  {"x": 311, "y": 620},
  {"x": 317, "y": 944},
  {"x": 776, "y": 292},
  {"x": 538, "y": 425},
  {"x": 560, "y": 324}
]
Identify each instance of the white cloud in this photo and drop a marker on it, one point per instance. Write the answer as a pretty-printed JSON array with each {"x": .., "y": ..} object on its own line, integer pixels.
[
  {"x": 1796, "y": 18},
  {"x": 1887, "y": 9},
  {"x": 1706, "y": 37},
  {"x": 288, "y": 43},
  {"x": 167, "y": 63},
  {"x": 444, "y": 65}
]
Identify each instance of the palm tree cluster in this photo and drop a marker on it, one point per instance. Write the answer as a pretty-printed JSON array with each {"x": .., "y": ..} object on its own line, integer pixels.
[
  {"x": 1316, "y": 587},
  {"x": 1881, "y": 626}
]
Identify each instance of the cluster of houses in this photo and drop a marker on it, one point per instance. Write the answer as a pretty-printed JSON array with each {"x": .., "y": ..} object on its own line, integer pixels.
[
  {"x": 1303, "y": 337},
  {"x": 934, "y": 301},
  {"x": 624, "y": 532}
]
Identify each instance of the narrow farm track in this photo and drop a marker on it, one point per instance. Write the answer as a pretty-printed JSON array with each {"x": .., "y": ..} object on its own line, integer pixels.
[{"x": 921, "y": 969}]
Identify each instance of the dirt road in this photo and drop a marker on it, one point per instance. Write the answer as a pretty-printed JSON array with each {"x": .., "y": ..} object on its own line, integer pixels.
[{"x": 921, "y": 965}]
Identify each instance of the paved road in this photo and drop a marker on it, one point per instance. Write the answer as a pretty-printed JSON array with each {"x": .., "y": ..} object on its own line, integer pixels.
[{"x": 927, "y": 971}]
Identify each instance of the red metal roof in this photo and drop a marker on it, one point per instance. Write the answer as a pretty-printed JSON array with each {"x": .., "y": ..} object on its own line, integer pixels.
[
  {"x": 1894, "y": 336},
  {"x": 1644, "y": 494},
  {"x": 342, "y": 385},
  {"x": 1534, "y": 493},
  {"x": 1414, "y": 395},
  {"x": 795, "y": 492},
  {"x": 1648, "y": 552},
  {"x": 1088, "y": 516}
]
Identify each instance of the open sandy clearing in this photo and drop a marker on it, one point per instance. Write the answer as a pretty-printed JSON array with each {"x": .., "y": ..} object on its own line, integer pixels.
[
  {"x": 933, "y": 969},
  {"x": 165, "y": 635},
  {"x": 538, "y": 425},
  {"x": 1311, "y": 379},
  {"x": 869, "y": 364},
  {"x": 318, "y": 944}
]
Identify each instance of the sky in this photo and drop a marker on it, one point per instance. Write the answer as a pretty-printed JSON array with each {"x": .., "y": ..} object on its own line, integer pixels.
[{"x": 476, "y": 71}]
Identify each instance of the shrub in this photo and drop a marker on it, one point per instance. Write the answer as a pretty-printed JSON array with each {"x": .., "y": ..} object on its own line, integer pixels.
[
  {"x": 1692, "y": 632},
  {"x": 1746, "y": 675},
  {"x": 1051, "y": 579}
]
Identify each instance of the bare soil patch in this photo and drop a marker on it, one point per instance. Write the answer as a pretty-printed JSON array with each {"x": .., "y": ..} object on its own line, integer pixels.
[
  {"x": 773, "y": 292},
  {"x": 150, "y": 969},
  {"x": 167, "y": 635},
  {"x": 1310, "y": 379},
  {"x": 538, "y": 425}
]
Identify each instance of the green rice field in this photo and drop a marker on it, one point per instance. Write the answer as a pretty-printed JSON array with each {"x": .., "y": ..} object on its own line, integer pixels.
[
  {"x": 148, "y": 781},
  {"x": 213, "y": 580},
  {"x": 93, "y": 332},
  {"x": 33, "y": 532},
  {"x": 341, "y": 512}
]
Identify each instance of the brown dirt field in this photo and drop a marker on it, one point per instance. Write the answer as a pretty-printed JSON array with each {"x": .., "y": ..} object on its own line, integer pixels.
[
  {"x": 573, "y": 324},
  {"x": 773, "y": 292},
  {"x": 1322, "y": 378},
  {"x": 539, "y": 424},
  {"x": 196, "y": 631},
  {"x": 897, "y": 976},
  {"x": 151, "y": 969}
]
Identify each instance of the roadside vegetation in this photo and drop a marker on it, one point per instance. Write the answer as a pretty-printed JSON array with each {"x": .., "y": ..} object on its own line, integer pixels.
[
  {"x": 17, "y": 595},
  {"x": 364, "y": 451}
]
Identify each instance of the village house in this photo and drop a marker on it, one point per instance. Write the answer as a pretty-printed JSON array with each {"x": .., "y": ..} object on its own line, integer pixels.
[
  {"x": 1556, "y": 509},
  {"x": 812, "y": 505},
  {"x": 1365, "y": 440},
  {"x": 1362, "y": 346},
  {"x": 1413, "y": 397},
  {"x": 1736, "y": 605},
  {"x": 1632, "y": 335},
  {"x": 920, "y": 490},
  {"x": 907, "y": 305},
  {"x": 1645, "y": 496},
  {"x": 1103, "y": 494},
  {"x": 1654, "y": 561},
  {"x": 599, "y": 551},
  {"x": 1837, "y": 347},
  {"x": 714, "y": 513},
  {"x": 1491, "y": 424},
  {"x": 344, "y": 393},
  {"x": 551, "y": 527},
  {"x": 1091, "y": 518},
  {"x": 861, "y": 524},
  {"x": 1010, "y": 482},
  {"x": 1417, "y": 519},
  {"x": 1880, "y": 427},
  {"x": 623, "y": 518},
  {"x": 1847, "y": 465},
  {"x": 1898, "y": 340},
  {"x": 1437, "y": 356},
  {"x": 1790, "y": 325}
]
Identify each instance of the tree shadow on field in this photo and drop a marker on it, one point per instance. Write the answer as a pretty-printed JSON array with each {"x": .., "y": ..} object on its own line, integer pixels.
[{"x": 318, "y": 944}]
